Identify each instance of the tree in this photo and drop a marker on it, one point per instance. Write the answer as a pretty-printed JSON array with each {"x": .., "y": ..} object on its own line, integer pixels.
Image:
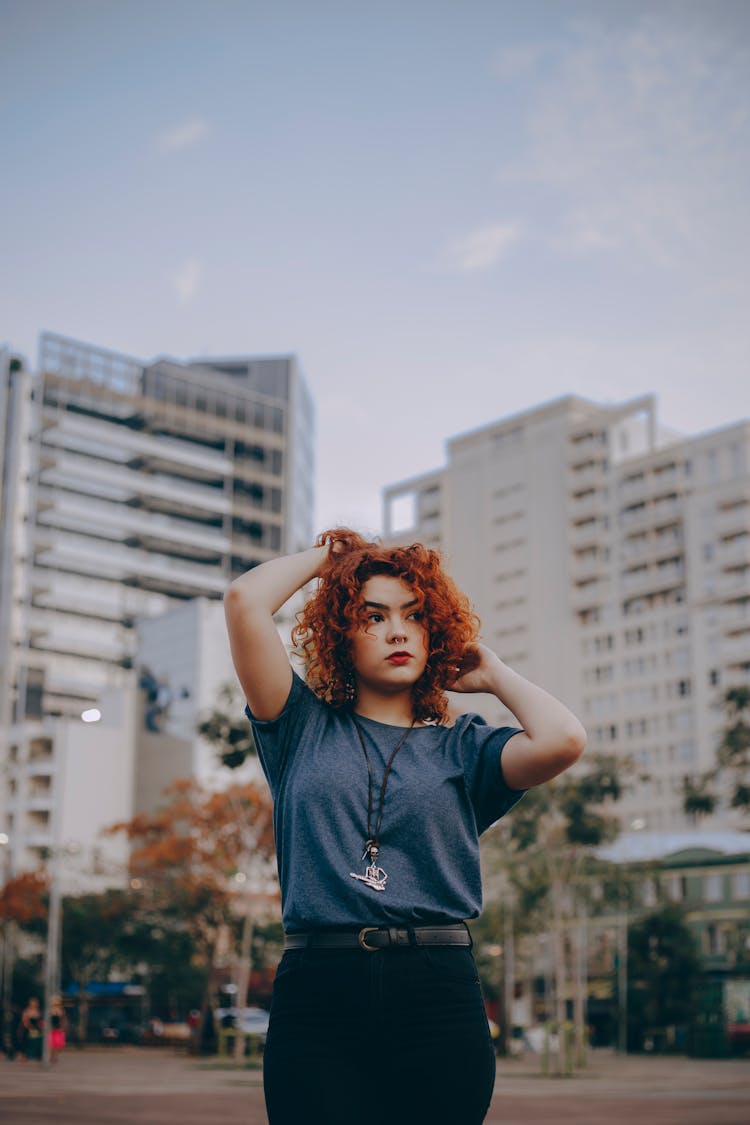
[
  {"x": 195, "y": 858},
  {"x": 546, "y": 842},
  {"x": 663, "y": 963},
  {"x": 229, "y": 732},
  {"x": 701, "y": 793},
  {"x": 227, "y": 729},
  {"x": 92, "y": 925},
  {"x": 23, "y": 899}
]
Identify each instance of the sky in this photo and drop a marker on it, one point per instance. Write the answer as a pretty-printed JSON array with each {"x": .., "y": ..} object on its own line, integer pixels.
[{"x": 448, "y": 211}]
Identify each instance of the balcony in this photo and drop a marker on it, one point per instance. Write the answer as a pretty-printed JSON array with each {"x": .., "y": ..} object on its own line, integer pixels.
[
  {"x": 651, "y": 548},
  {"x": 733, "y": 584},
  {"x": 120, "y": 522},
  {"x": 592, "y": 475},
  {"x": 736, "y": 650},
  {"x": 734, "y": 552},
  {"x": 124, "y": 443},
  {"x": 735, "y": 618},
  {"x": 589, "y": 504},
  {"x": 658, "y": 514},
  {"x": 164, "y": 573},
  {"x": 588, "y": 595},
  {"x": 41, "y": 767},
  {"x": 589, "y": 533},
  {"x": 586, "y": 449},
  {"x": 653, "y": 580},
  {"x": 733, "y": 522},
  {"x": 119, "y": 483},
  {"x": 39, "y": 804},
  {"x": 588, "y": 567}
]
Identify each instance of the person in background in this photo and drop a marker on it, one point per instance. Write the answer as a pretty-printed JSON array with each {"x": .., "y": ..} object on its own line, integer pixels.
[
  {"x": 58, "y": 1027},
  {"x": 381, "y": 792},
  {"x": 30, "y": 1028}
]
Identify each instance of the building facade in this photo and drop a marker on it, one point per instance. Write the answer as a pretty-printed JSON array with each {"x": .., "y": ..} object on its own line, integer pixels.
[
  {"x": 128, "y": 489},
  {"x": 609, "y": 560}
]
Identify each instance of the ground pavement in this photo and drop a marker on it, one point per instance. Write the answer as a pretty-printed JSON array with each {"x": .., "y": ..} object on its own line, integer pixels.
[{"x": 159, "y": 1086}]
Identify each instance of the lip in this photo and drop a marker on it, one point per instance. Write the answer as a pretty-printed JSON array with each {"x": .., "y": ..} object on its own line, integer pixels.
[{"x": 399, "y": 658}]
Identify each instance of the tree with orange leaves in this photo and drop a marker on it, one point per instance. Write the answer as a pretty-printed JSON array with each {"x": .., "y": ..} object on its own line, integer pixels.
[
  {"x": 200, "y": 861},
  {"x": 23, "y": 899}
]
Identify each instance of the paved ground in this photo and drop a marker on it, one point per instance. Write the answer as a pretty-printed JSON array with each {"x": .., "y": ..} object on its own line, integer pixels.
[{"x": 122, "y": 1085}]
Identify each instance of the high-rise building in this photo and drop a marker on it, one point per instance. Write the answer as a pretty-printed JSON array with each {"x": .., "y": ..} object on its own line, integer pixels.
[
  {"x": 127, "y": 489},
  {"x": 609, "y": 561}
]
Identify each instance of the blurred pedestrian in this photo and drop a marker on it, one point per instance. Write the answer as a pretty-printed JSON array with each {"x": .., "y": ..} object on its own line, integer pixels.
[
  {"x": 58, "y": 1027},
  {"x": 377, "y": 1013},
  {"x": 30, "y": 1028}
]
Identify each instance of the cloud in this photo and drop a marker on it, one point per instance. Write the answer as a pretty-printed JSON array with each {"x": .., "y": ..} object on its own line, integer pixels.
[
  {"x": 638, "y": 135},
  {"x": 186, "y": 280},
  {"x": 483, "y": 248},
  {"x": 184, "y": 135}
]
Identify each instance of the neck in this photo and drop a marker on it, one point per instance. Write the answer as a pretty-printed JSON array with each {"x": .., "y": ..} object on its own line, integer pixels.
[{"x": 396, "y": 709}]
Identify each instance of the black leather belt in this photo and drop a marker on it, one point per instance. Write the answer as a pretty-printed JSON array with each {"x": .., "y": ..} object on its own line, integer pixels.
[{"x": 372, "y": 938}]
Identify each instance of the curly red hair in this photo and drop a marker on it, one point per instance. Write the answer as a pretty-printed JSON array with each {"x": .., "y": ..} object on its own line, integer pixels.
[{"x": 322, "y": 635}]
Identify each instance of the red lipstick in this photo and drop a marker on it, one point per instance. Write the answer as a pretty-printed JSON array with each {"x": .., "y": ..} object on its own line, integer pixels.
[{"x": 399, "y": 658}]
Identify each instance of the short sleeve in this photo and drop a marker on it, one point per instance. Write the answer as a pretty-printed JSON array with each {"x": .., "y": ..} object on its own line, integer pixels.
[
  {"x": 482, "y": 749},
  {"x": 276, "y": 739}
]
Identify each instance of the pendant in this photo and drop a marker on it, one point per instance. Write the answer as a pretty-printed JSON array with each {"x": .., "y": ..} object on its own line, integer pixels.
[{"x": 374, "y": 876}]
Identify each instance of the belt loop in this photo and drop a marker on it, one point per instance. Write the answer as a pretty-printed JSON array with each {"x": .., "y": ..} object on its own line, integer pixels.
[
  {"x": 412, "y": 936},
  {"x": 471, "y": 939}
]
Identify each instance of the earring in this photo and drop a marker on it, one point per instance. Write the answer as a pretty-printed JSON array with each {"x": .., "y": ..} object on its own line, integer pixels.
[{"x": 350, "y": 687}]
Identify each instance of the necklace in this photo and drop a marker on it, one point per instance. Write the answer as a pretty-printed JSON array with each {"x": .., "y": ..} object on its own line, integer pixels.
[{"x": 374, "y": 876}]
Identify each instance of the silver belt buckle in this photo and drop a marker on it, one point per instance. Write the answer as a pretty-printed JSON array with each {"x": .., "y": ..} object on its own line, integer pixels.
[{"x": 362, "y": 938}]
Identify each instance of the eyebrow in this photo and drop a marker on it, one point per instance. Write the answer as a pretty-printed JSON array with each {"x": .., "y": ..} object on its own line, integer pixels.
[{"x": 381, "y": 605}]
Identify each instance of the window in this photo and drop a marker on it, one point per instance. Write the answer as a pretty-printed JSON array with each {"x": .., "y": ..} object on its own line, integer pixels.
[
  {"x": 712, "y": 462},
  {"x": 714, "y": 940},
  {"x": 648, "y": 892},
  {"x": 712, "y": 888},
  {"x": 677, "y": 888},
  {"x": 741, "y": 884}
]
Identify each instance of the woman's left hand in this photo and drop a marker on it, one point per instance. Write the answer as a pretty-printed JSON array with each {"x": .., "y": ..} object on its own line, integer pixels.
[{"x": 476, "y": 670}]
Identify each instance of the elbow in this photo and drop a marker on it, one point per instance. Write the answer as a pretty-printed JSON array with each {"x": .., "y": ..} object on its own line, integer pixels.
[
  {"x": 234, "y": 597},
  {"x": 573, "y": 745}
]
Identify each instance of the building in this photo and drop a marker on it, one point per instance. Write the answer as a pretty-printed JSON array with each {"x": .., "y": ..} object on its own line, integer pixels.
[
  {"x": 706, "y": 874},
  {"x": 609, "y": 560},
  {"x": 128, "y": 489}
]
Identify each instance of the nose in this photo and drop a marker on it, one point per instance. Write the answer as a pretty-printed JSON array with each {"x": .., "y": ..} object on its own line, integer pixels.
[{"x": 398, "y": 634}]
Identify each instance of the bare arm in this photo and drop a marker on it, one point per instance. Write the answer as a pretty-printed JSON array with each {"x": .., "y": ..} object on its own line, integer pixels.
[
  {"x": 258, "y": 652},
  {"x": 552, "y": 739}
]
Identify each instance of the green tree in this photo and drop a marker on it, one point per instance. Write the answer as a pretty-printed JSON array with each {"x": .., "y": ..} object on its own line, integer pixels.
[
  {"x": 663, "y": 964},
  {"x": 701, "y": 793},
  {"x": 92, "y": 926},
  {"x": 227, "y": 730},
  {"x": 543, "y": 849}
]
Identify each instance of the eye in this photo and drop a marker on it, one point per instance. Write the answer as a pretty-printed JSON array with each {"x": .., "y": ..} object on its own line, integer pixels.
[
  {"x": 374, "y": 617},
  {"x": 416, "y": 615}
]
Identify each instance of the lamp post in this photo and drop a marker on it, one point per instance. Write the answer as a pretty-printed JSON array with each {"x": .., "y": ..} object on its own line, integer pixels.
[
  {"x": 52, "y": 955},
  {"x": 52, "y": 947}
]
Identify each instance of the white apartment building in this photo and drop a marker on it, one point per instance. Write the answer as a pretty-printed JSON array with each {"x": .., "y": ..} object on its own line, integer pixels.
[
  {"x": 128, "y": 489},
  {"x": 609, "y": 561}
]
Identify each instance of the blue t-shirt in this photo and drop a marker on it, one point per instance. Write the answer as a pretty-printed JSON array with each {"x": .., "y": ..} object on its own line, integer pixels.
[{"x": 445, "y": 788}]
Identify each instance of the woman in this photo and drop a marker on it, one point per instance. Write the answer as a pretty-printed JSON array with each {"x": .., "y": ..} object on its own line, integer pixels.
[
  {"x": 380, "y": 795},
  {"x": 30, "y": 1030},
  {"x": 58, "y": 1027}
]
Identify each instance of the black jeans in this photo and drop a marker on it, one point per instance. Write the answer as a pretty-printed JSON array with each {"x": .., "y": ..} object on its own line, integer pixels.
[{"x": 392, "y": 1037}]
